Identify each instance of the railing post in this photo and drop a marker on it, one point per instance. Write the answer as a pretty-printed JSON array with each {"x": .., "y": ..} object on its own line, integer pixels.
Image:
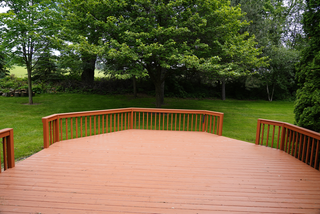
[
  {"x": 131, "y": 122},
  {"x": 220, "y": 125},
  {"x": 258, "y": 132},
  {"x": 45, "y": 133},
  {"x": 10, "y": 149},
  {"x": 283, "y": 136}
]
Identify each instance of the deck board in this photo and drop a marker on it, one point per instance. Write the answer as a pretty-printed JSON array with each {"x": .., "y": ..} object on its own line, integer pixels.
[{"x": 145, "y": 171}]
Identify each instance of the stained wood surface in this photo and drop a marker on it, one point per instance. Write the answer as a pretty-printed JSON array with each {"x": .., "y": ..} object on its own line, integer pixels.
[{"x": 145, "y": 171}]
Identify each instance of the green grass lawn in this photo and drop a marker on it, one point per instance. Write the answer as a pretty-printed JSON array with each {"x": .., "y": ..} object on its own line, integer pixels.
[{"x": 240, "y": 118}]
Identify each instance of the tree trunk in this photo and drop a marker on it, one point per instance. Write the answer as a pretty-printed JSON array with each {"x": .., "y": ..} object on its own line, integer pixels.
[
  {"x": 162, "y": 93},
  {"x": 134, "y": 82},
  {"x": 88, "y": 67},
  {"x": 223, "y": 85},
  {"x": 29, "y": 85},
  {"x": 158, "y": 93}
]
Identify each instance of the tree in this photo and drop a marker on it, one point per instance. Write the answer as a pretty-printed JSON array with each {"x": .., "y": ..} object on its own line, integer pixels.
[
  {"x": 276, "y": 28},
  {"x": 307, "y": 104},
  {"x": 26, "y": 31},
  {"x": 161, "y": 36}
]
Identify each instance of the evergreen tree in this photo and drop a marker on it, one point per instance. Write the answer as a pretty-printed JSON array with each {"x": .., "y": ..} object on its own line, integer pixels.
[{"x": 307, "y": 106}]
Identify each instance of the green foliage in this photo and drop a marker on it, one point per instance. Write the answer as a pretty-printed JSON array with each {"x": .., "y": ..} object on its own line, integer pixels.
[
  {"x": 3, "y": 67},
  {"x": 307, "y": 107},
  {"x": 158, "y": 37},
  {"x": 26, "y": 30}
]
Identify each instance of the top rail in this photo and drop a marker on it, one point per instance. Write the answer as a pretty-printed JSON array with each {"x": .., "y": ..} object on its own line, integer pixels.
[
  {"x": 6, "y": 138},
  {"x": 297, "y": 141},
  {"x": 63, "y": 126}
]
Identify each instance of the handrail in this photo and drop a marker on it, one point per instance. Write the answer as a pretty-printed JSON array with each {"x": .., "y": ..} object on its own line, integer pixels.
[
  {"x": 63, "y": 126},
  {"x": 8, "y": 148},
  {"x": 301, "y": 143}
]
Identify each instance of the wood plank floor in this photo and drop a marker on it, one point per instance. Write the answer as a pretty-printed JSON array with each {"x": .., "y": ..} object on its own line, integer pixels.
[{"x": 141, "y": 171}]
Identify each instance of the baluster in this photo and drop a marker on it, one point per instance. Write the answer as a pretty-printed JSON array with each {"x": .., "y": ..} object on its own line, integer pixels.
[
  {"x": 118, "y": 122},
  {"x": 143, "y": 120},
  {"x": 147, "y": 120},
  {"x": 125, "y": 120},
  {"x": 175, "y": 122},
  {"x": 168, "y": 118},
  {"x": 86, "y": 125},
  {"x": 163, "y": 120},
  {"x": 312, "y": 152},
  {"x": 76, "y": 127},
  {"x": 273, "y": 135},
  {"x": 268, "y": 135},
  {"x": 279, "y": 133},
  {"x": 71, "y": 124},
  {"x": 61, "y": 128},
  {"x": 191, "y": 122},
  {"x": 98, "y": 123},
  {"x": 151, "y": 120},
  {"x": 296, "y": 146},
  {"x": 171, "y": 120},
  {"x": 66, "y": 128},
  {"x": 159, "y": 121},
  {"x": 184, "y": 121},
  {"x": 107, "y": 124},
  {"x": 179, "y": 121},
  {"x": 188, "y": 123},
  {"x": 155, "y": 121},
  {"x": 214, "y": 125},
  {"x": 81, "y": 126},
  {"x": 50, "y": 133},
  {"x": 304, "y": 148},
  {"x": 121, "y": 121},
  {"x": 307, "y": 157},
  {"x": 103, "y": 124},
  {"x": 293, "y": 142},
  {"x": 300, "y": 147},
  {"x": 5, "y": 158},
  {"x": 262, "y": 134}
]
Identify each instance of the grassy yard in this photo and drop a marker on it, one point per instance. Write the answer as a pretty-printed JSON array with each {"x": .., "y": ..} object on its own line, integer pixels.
[{"x": 240, "y": 118}]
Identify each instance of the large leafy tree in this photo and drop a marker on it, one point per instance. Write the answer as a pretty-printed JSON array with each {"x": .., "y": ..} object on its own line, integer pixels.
[
  {"x": 159, "y": 37},
  {"x": 26, "y": 30},
  {"x": 307, "y": 106}
]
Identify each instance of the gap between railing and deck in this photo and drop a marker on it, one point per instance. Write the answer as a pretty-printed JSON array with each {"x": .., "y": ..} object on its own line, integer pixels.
[
  {"x": 66, "y": 126},
  {"x": 6, "y": 138},
  {"x": 299, "y": 142}
]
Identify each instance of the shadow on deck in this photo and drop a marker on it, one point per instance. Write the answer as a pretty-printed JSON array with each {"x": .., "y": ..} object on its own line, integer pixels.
[{"x": 148, "y": 171}]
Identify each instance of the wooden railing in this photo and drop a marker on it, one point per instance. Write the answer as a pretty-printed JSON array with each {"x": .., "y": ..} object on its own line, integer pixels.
[
  {"x": 6, "y": 138},
  {"x": 296, "y": 141},
  {"x": 66, "y": 126}
]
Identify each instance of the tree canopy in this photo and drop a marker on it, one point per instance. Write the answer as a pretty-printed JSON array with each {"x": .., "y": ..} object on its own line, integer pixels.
[
  {"x": 26, "y": 31},
  {"x": 159, "y": 37},
  {"x": 307, "y": 106}
]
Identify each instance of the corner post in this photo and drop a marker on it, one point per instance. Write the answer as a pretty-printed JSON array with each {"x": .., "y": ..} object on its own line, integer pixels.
[
  {"x": 10, "y": 149},
  {"x": 258, "y": 132},
  {"x": 45, "y": 133},
  {"x": 220, "y": 124}
]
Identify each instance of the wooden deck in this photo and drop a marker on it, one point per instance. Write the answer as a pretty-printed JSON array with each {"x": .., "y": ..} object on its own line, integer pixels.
[{"x": 143, "y": 171}]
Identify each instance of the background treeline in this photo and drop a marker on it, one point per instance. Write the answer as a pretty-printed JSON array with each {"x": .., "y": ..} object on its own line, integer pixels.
[{"x": 253, "y": 46}]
